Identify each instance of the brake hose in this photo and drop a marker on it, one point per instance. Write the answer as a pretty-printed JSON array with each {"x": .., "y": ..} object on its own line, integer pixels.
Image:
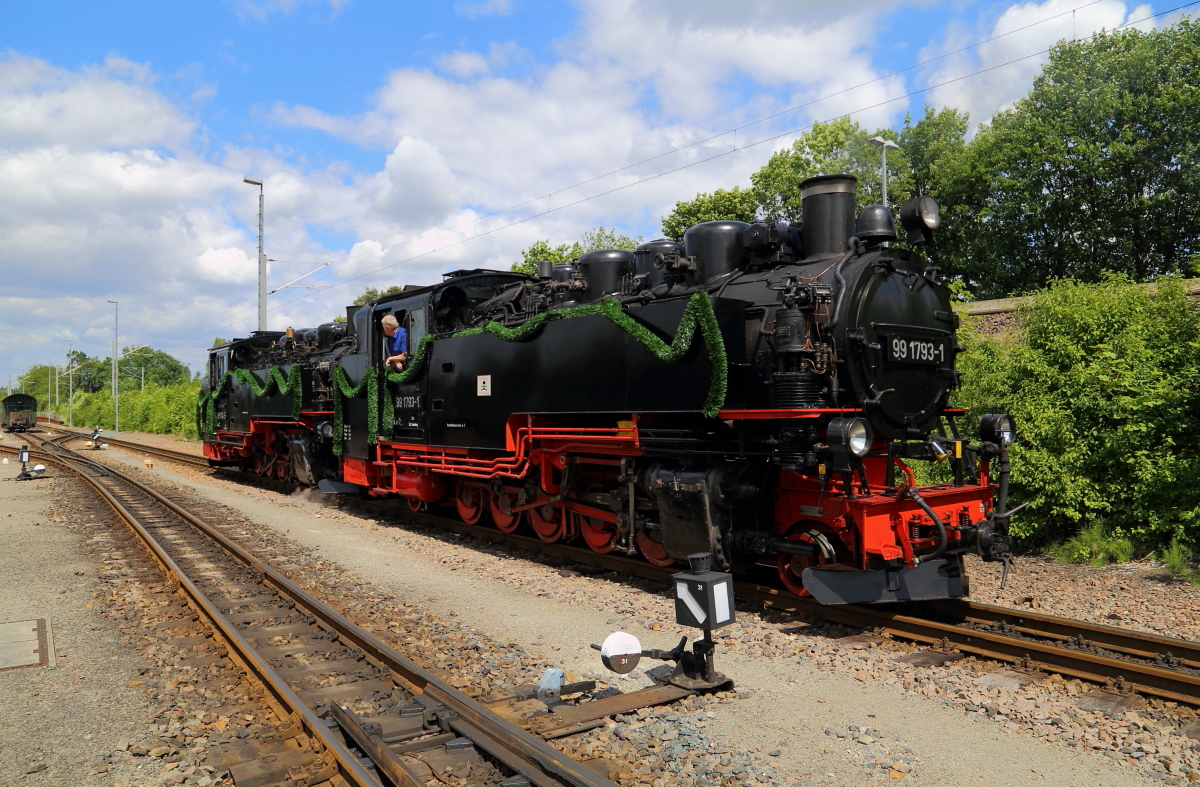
[{"x": 915, "y": 496}]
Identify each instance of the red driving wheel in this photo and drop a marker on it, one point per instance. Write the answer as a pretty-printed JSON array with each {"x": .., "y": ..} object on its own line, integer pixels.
[
  {"x": 548, "y": 521},
  {"x": 791, "y": 567},
  {"x": 498, "y": 503},
  {"x": 597, "y": 533},
  {"x": 470, "y": 502},
  {"x": 652, "y": 549}
]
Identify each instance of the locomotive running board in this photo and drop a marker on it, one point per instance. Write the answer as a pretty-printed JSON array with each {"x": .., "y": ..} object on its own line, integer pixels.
[{"x": 933, "y": 580}]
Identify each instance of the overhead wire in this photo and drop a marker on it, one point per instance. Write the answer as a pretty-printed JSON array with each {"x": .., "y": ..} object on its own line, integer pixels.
[
  {"x": 694, "y": 143},
  {"x": 237, "y": 318}
]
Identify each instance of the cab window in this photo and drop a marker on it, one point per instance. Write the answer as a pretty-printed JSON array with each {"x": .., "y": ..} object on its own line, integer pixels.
[{"x": 416, "y": 328}]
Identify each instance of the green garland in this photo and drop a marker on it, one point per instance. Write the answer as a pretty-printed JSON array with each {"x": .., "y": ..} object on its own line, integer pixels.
[
  {"x": 206, "y": 412},
  {"x": 698, "y": 313},
  {"x": 342, "y": 389}
]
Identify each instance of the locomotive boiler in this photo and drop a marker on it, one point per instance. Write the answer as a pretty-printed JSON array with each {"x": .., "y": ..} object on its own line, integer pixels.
[{"x": 757, "y": 391}]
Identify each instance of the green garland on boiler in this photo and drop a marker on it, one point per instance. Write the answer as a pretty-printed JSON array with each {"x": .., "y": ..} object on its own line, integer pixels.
[
  {"x": 342, "y": 389},
  {"x": 697, "y": 314},
  {"x": 277, "y": 382}
]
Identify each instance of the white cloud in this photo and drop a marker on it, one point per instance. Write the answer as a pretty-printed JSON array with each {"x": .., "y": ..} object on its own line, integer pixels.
[
  {"x": 261, "y": 9},
  {"x": 478, "y": 8},
  {"x": 1023, "y": 29},
  {"x": 106, "y": 198},
  {"x": 464, "y": 64},
  {"x": 228, "y": 266},
  {"x": 114, "y": 105}
]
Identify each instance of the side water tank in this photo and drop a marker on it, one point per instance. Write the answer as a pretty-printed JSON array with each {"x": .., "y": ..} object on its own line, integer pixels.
[
  {"x": 719, "y": 246},
  {"x": 643, "y": 258},
  {"x": 603, "y": 271}
]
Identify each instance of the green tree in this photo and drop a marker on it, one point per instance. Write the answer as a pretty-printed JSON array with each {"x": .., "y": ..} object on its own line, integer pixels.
[
  {"x": 160, "y": 369},
  {"x": 91, "y": 374},
  {"x": 837, "y": 147},
  {"x": 933, "y": 145},
  {"x": 218, "y": 341},
  {"x": 736, "y": 204},
  {"x": 1094, "y": 170},
  {"x": 840, "y": 146},
  {"x": 598, "y": 238},
  {"x": 368, "y": 295}
]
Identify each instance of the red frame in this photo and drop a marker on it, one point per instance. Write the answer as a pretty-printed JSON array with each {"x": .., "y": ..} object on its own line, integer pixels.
[{"x": 865, "y": 529}]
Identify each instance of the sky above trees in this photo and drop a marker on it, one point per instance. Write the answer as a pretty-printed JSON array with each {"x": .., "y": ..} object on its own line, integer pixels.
[{"x": 400, "y": 140}]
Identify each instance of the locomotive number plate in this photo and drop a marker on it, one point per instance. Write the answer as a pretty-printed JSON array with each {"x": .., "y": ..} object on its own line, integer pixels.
[{"x": 904, "y": 350}]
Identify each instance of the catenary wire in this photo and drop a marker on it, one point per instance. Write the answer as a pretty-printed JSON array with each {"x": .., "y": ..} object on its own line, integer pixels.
[
  {"x": 237, "y": 317},
  {"x": 694, "y": 143}
]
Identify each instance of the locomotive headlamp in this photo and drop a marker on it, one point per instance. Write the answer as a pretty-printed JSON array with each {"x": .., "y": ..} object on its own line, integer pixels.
[
  {"x": 920, "y": 215},
  {"x": 998, "y": 428},
  {"x": 325, "y": 428},
  {"x": 921, "y": 212},
  {"x": 849, "y": 436}
]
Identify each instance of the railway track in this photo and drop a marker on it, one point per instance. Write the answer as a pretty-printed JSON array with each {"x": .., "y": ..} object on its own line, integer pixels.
[
  {"x": 164, "y": 453},
  {"x": 1120, "y": 659},
  {"x": 349, "y": 709}
]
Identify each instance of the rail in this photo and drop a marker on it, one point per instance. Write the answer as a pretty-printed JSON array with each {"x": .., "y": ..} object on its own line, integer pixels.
[
  {"x": 431, "y": 720},
  {"x": 1151, "y": 664}
]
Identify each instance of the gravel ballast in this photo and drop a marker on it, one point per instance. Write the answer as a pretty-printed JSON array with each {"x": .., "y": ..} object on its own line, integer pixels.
[
  {"x": 808, "y": 705},
  {"x": 72, "y": 723}
]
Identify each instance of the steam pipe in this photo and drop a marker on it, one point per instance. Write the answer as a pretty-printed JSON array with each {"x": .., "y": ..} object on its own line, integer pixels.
[
  {"x": 943, "y": 539},
  {"x": 1002, "y": 493}
]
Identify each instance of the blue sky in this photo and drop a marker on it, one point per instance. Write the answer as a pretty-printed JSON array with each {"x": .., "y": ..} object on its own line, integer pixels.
[
  {"x": 230, "y": 62},
  {"x": 387, "y": 132}
]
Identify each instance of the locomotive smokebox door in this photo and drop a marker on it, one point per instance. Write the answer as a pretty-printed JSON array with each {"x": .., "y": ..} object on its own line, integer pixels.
[{"x": 703, "y": 598}]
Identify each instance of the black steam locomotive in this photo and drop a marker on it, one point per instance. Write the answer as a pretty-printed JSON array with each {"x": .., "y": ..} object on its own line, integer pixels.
[{"x": 755, "y": 391}]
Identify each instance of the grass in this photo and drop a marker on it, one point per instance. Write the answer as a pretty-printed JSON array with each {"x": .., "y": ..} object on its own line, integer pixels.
[
  {"x": 1095, "y": 546},
  {"x": 1181, "y": 562}
]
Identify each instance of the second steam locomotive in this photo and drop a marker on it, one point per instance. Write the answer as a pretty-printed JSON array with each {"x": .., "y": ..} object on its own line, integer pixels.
[{"x": 757, "y": 391}]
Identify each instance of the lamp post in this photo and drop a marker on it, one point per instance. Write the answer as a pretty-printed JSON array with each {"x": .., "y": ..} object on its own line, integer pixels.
[
  {"x": 48, "y": 380},
  {"x": 116, "y": 344},
  {"x": 262, "y": 259},
  {"x": 70, "y": 384},
  {"x": 884, "y": 146}
]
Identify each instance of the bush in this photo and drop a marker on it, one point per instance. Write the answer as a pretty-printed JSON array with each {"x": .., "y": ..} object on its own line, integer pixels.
[
  {"x": 1102, "y": 381},
  {"x": 163, "y": 409}
]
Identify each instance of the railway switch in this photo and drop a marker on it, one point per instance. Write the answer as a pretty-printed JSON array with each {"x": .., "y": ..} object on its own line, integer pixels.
[
  {"x": 26, "y": 474},
  {"x": 703, "y": 600}
]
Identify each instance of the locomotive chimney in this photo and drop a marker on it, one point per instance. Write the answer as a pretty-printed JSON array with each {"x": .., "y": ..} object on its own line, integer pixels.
[{"x": 828, "y": 214}]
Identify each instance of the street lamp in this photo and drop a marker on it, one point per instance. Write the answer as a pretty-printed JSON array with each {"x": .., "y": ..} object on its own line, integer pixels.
[
  {"x": 116, "y": 344},
  {"x": 884, "y": 146},
  {"x": 262, "y": 259},
  {"x": 70, "y": 383}
]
